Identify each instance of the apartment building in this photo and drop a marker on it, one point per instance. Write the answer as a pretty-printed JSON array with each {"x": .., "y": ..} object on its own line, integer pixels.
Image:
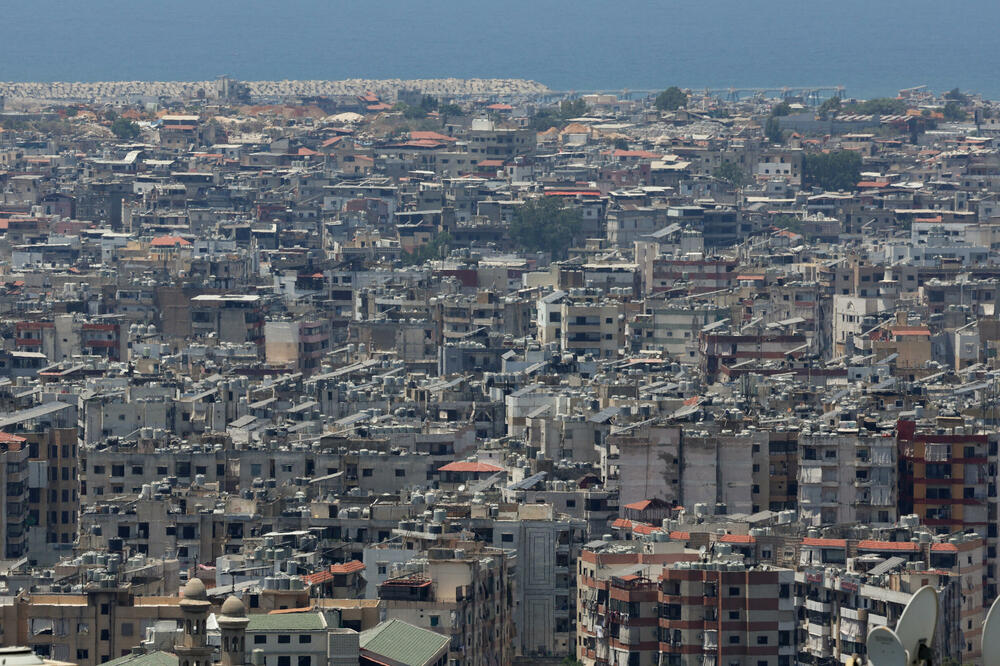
[
  {"x": 847, "y": 477},
  {"x": 727, "y": 613},
  {"x": 463, "y": 594}
]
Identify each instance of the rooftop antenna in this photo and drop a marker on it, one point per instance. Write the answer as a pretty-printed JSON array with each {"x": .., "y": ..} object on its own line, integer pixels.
[
  {"x": 991, "y": 636},
  {"x": 911, "y": 643}
]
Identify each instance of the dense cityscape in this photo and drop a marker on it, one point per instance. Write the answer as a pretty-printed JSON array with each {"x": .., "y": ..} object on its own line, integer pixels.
[{"x": 477, "y": 373}]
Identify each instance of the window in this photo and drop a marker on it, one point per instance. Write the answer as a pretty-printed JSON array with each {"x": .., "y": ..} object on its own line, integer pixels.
[
  {"x": 305, "y": 638},
  {"x": 284, "y": 638},
  {"x": 734, "y": 591},
  {"x": 305, "y": 660},
  {"x": 284, "y": 660},
  {"x": 507, "y": 537},
  {"x": 734, "y": 639},
  {"x": 367, "y": 472},
  {"x": 260, "y": 639},
  {"x": 762, "y": 640},
  {"x": 400, "y": 473},
  {"x": 435, "y": 620}
]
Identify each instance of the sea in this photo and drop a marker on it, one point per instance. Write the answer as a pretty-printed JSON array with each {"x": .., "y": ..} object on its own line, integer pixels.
[{"x": 870, "y": 47}]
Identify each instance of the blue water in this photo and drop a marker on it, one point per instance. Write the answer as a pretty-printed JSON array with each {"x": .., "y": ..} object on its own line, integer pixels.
[{"x": 872, "y": 47}]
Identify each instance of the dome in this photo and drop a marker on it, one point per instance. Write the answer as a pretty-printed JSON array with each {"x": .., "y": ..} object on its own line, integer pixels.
[
  {"x": 195, "y": 590},
  {"x": 233, "y": 607}
]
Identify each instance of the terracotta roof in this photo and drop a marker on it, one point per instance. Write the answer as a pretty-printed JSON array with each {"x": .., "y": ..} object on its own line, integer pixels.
[
  {"x": 621, "y": 523},
  {"x": 346, "y": 567},
  {"x": 169, "y": 241},
  {"x": 680, "y": 536},
  {"x": 434, "y": 136},
  {"x": 944, "y": 548},
  {"x": 7, "y": 438},
  {"x": 643, "y": 528},
  {"x": 499, "y": 107},
  {"x": 887, "y": 545},
  {"x": 317, "y": 578},
  {"x": 738, "y": 538},
  {"x": 911, "y": 330},
  {"x": 470, "y": 467},
  {"x": 825, "y": 543}
]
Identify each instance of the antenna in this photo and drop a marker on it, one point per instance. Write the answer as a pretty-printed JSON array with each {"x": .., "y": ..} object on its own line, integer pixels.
[
  {"x": 884, "y": 648},
  {"x": 991, "y": 636},
  {"x": 916, "y": 625}
]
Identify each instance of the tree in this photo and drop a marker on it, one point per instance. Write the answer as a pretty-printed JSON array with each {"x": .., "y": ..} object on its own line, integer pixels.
[
  {"x": 125, "y": 130},
  {"x": 829, "y": 108},
  {"x": 953, "y": 111},
  {"x": 956, "y": 95},
  {"x": 437, "y": 248},
  {"x": 838, "y": 170},
  {"x": 782, "y": 109},
  {"x": 545, "y": 225},
  {"x": 730, "y": 172},
  {"x": 772, "y": 130},
  {"x": 450, "y": 110},
  {"x": 671, "y": 99},
  {"x": 572, "y": 108},
  {"x": 883, "y": 106},
  {"x": 621, "y": 143}
]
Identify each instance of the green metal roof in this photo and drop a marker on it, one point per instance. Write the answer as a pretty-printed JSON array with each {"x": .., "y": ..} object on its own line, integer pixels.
[
  {"x": 158, "y": 658},
  {"x": 286, "y": 622},
  {"x": 402, "y": 642}
]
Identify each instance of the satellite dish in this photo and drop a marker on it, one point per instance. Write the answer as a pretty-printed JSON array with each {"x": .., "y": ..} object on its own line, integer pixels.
[
  {"x": 884, "y": 648},
  {"x": 461, "y": 488},
  {"x": 991, "y": 636},
  {"x": 917, "y": 623},
  {"x": 702, "y": 551}
]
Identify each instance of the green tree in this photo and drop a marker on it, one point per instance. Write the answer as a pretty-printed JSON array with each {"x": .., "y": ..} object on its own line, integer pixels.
[
  {"x": 125, "y": 130},
  {"x": 782, "y": 109},
  {"x": 957, "y": 95},
  {"x": 621, "y": 143},
  {"x": 450, "y": 110},
  {"x": 572, "y": 108},
  {"x": 545, "y": 225},
  {"x": 437, "y": 248},
  {"x": 953, "y": 111},
  {"x": 838, "y": 170},
  {"x": 772, "y": 130},
  {"x": 671, "y": 99},
  {"x": 829, "y": 108},
  {"x": 730, "y": 172},
  {"x": 883, "y": 106}
]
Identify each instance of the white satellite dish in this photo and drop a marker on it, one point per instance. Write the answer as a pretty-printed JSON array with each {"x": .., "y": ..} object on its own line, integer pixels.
[
  {"x": 884, "y": 648},
  {"x": 991, "y": 636},
  {"x": 917, "y": 623}
]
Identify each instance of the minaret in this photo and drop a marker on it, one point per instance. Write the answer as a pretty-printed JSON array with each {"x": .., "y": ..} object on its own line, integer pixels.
[
  {"x": 193, "y": 648},
  {"x": 233, "y": 625}
]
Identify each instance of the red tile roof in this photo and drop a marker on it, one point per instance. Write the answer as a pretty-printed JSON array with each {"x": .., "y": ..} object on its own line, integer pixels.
[
  {"x": 470, "y": 467},
  {"x": 738, "y": 538},
  {"x": 7, "y": 438},
  {"x": 825, "y": 543},
  {"x": 641, "y": 505},
  {"x": 944, "y": 548},
  {"x": 680, "y": 536},
  {"x": 887, "y": 545},
  {"x": 169, "y": 241},
  {"x": 318, "y": 577},
  {"x": 433, "y": 136},
  {"x": 346, "y": 567}
]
